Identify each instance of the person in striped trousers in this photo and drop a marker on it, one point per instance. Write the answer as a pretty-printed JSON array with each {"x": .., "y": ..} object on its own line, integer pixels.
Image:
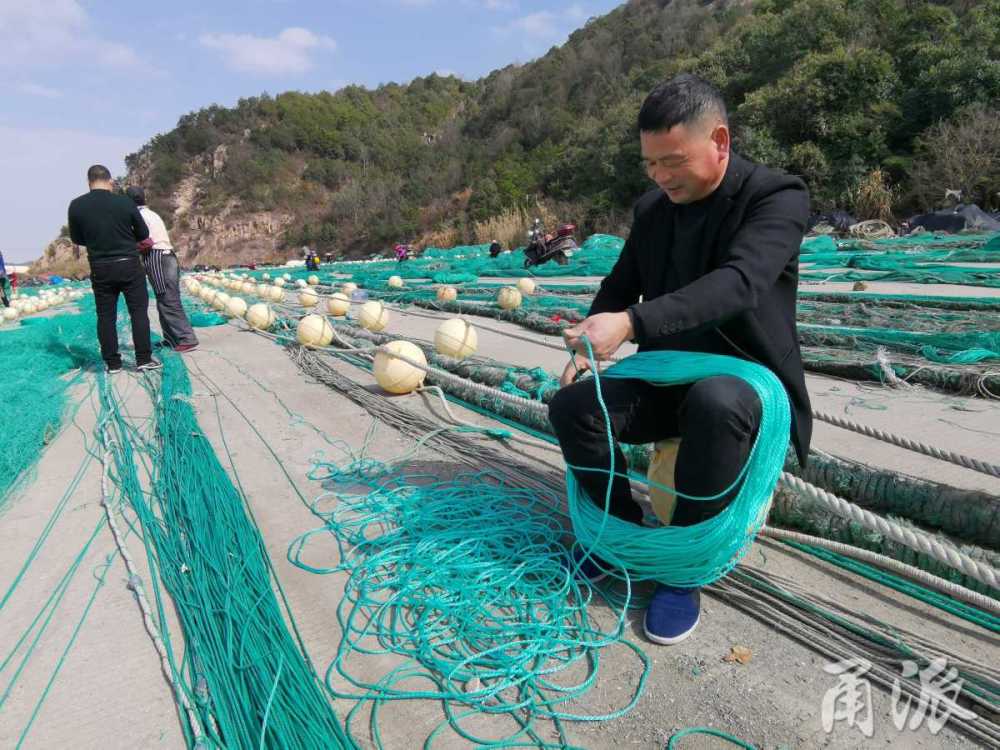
[{"x": 163, "y": 272}]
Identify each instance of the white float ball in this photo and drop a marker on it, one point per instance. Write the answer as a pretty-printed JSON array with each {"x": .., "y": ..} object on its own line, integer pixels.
[
  {"x": 350, "y": 288},
  {"x": 249, "y": 287},
  {"x": 300, "y": 283},
  {"x": 276, "y": 294},
  {"x": 279, "y": 282},
  {"x": 456, "y": 338},
  {"x": 287, "y": 277},
  {"x": 447, "y": 294},
  {"x": 373, "y": 316},
  {"x": 526, "y": 285},
  {"x": 266, "y": 277},
  {"x": 395, "y": 282},
  {"x": 509, "y": 298},
  {"x": 220, "y": 301},
  {"x": 308, "y": 298},
  {"x": 236, "y": 307},
  {"x": 313, "y": 331},
  {"x": 194, "y": 287},
  {"x": 393, "y": 374},
  {"x": 313, "y": 280},
  {"x": 338, "y": 305},
  {"x": 10, "y": 314},
  {"x": 260, "y": 316}
]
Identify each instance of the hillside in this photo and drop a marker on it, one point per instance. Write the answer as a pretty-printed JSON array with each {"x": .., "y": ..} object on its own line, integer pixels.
[{"x": 849, "y": 94}]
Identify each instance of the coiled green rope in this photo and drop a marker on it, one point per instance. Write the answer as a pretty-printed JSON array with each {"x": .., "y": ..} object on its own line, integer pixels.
[{"x": 700, "y": 554}]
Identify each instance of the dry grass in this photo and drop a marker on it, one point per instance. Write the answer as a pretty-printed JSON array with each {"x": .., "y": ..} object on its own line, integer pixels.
[
  {"x": 442, "y": 237},
  {"x": 874, "y": 197},
  {"x": 511, "y": 226}
]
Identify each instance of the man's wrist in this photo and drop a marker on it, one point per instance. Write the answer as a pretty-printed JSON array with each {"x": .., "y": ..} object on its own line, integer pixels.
[{"x": 630, "y": 321}]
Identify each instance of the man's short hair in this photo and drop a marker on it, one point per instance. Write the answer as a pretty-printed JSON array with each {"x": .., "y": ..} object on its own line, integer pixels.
[
  {"x": 683, "y": 100},
  {"x": 98, "y": 173},
  {"x": 137, "y": 194}
]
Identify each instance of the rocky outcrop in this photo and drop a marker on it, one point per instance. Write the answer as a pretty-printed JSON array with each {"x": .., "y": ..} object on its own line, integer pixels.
[
  {"x": 61, "y": 258},
  {"x": 231, "y": 236}
]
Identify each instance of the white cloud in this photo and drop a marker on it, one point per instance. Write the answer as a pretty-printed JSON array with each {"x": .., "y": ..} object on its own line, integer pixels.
[
  {"x": 35, "y": 89},
  {"x": 544, "y": 28},
  {"x": 38, "y": 34},
  {"x": 46, "y": 169},
  {"x": 290, "y": 51}
]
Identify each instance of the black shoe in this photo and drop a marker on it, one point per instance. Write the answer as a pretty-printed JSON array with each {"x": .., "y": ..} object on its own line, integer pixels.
[
  {"x": 147, "y": 366},
  {"x": 114, "y": 370}
]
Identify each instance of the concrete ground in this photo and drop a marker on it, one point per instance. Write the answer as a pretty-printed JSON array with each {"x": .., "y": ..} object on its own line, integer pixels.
[{"x": 110, "y": 692}]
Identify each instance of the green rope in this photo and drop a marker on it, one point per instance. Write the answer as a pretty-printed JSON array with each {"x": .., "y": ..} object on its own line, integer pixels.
[
  {"x": 672, "y": 744},
  {"x": 928, "y": 596},
  {"x": 699, "y": 554}
]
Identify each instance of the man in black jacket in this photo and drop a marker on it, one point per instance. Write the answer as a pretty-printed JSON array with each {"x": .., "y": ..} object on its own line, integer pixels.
[
  {"x": 710, "y": 265},
  {"x": 111, "y": 227}
]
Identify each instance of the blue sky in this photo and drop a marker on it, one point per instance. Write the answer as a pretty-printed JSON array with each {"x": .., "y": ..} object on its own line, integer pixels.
[{"x": 85, "y": 81}]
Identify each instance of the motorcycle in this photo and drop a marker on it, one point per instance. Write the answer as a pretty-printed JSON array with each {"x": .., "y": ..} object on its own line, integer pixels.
[{"x": 543, "y": 247}]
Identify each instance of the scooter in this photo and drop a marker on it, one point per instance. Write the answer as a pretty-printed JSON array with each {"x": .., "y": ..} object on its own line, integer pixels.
[{"x": 543, "y": 247}]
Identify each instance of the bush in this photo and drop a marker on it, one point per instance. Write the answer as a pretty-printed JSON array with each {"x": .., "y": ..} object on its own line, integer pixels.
[
  {"x": 873, "y": 197},
  {"x": 960, "y": 154}
]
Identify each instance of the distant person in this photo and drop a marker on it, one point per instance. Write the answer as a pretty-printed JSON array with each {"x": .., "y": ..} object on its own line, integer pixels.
[
  {"x": 4, "y": 283},
  {"x": 495, "y": 249},
  {"x": 164, "y": 275},
  {"x": 110, "y": 226},
  {"x": 310, "y": 258}
]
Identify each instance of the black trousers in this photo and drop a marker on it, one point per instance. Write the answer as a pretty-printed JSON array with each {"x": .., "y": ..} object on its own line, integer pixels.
[
  {"x": 110, "y": 279},
  {"x": 716, "y": 419}
]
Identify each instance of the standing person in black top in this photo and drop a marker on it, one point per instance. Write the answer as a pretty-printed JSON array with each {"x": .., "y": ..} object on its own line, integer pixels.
[
  {"x": 110, "y": 226},
  {"x": 3, "y": 283},
  {"x": 710, "y": 265}
]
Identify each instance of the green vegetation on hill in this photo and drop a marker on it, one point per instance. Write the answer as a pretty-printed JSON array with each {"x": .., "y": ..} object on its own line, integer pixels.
[{"x": 849, "y": 94}]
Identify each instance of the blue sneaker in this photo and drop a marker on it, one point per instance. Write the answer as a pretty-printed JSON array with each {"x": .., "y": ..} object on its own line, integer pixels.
[
  {"x": 672, "y": 615},
  {"x": 591, "y": 568}
]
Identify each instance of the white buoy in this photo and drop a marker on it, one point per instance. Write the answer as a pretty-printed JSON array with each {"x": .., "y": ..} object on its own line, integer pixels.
[
  {"x": 287, "y": 277},
  {"x": 266, "y": 277},
  {"x": 220, "y": 301},
  {"x": 526, "y": 285},
  {"x": 509, "y": 298},
  {"x": 313, "y": 331},
  {"x": 456, "y": 338},
  {"x": 236, "y": 307},
  {"x": 338, "y": 305},
  {"x": 279, "y": 282},
  {"x": 313, "y": 280},
  {"x": 260, "y": 316},
  {"x": 447, "y": 294},
  {"x": 349, "y": 288},
  {"x": 393, "y": 374},
  {"x": 395, "y": 282},
  {"x": 308, "y": 298},
  {"x": 373, "y": 316},
  {"x": 276, "y": 294},
  {"x": 249, "y": 288},
  {"x": 10, "y": 314},
  {"x": 300, "y": 283}
]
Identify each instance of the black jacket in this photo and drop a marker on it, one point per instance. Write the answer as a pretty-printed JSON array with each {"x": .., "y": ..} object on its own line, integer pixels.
[
  {"x": 109, "y": 225},
  {"x": 746, "y": 291}
]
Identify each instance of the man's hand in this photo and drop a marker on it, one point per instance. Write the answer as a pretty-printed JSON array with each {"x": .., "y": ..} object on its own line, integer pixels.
[
  {"x": 605, "y": 331},
  {"x": 578, "y": 365}
]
